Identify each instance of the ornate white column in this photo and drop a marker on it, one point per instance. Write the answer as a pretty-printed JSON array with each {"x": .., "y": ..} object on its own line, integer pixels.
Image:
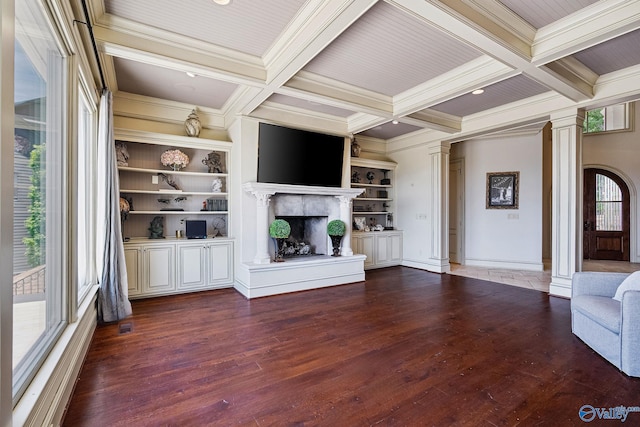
[
  {"x": 566, "y": 220},
  {"x": 262, "y": 227},
  {"x": 345, "y": 215},
  {"x": 439, "y": 162}
]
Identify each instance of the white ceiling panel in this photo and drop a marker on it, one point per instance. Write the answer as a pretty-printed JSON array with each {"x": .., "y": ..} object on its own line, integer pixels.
[
  {"x": 148, "y": 80},
  {"x": 612, "y": 55},
  {"x": 389, "y": 51},
  {"x": 539, "y": 13},
  {"x": 246, "y": 26},
  {"x": 389, "y": 130}
]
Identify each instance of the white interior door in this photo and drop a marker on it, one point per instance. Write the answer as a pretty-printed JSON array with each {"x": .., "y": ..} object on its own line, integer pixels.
[{"x": 456, "y": 211}]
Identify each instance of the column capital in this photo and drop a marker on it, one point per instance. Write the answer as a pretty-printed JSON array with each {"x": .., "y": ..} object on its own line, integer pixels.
[
  {"x": 567, "y": 117},
  {"x": 439, "y": 147}
]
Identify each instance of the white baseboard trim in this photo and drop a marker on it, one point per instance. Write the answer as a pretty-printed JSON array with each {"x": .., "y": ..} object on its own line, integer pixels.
[
  {"x": 509, "y": 265},
  {"x": 45, "y": 400},
  {"x": 560, "y": 287},
  {"x": 433, "y": 266}
]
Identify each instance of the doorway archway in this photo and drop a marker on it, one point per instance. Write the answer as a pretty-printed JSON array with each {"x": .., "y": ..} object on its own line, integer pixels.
[{"x": 606, "y": 216}]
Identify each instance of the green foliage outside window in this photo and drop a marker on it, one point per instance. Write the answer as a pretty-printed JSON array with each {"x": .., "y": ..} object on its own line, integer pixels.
[
  {"x": 35, "y": 222},
  {"x": 594, "y": 121}
]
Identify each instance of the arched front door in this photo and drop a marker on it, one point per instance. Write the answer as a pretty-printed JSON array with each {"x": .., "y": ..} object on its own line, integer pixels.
[{"x": 606, "y": 216}]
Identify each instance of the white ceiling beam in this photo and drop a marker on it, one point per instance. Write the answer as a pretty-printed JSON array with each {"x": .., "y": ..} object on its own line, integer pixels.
[
  {"x": 588, "y": 27},
  {"x": 361, "y": 122},
  {"x": 317, "y": 88},
  {"x": 230, "y": 68},
  {"x": 323, "y": 22},
  {"x": 478, "y": 73},
  {"x": 435, "y": 120},
  {"x": 469, "y": 26}
]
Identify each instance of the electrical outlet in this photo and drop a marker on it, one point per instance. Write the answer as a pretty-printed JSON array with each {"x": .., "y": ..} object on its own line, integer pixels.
[{"x": 154, "y": 179}]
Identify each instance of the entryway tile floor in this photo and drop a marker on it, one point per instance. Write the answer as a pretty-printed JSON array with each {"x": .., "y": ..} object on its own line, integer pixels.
[{"x": 537, "y": 280}]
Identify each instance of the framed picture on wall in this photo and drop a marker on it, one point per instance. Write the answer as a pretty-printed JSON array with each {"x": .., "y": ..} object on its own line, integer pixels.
[{"x": 502, "y": 190}]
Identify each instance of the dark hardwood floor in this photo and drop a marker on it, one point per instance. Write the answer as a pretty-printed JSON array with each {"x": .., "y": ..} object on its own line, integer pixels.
[{"x": 404, "y": 348}]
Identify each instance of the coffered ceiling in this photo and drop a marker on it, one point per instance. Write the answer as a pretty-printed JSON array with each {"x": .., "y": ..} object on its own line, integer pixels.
[{"x": 358, "y": 66}]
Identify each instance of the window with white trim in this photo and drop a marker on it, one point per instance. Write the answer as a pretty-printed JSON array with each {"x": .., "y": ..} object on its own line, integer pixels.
[
  {"x": 39, "y": 273},
  {"x": 86, "y": 161},
  {"x": 608, "y": 119}
]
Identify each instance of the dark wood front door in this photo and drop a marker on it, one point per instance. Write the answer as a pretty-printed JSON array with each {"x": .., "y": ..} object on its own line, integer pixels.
[{"x": 606, "y": 216}]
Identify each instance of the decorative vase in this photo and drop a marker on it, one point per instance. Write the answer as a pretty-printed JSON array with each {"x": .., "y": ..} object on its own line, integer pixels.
[
  {"x": 192, "y": 125},
  {"x": 279, "y": 250},
  {"x": 335, "y": 242}
]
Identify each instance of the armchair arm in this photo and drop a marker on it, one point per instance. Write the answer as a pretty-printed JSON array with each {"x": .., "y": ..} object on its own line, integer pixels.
[
  {"x": 596, "y": 283},
  {"x": 630, "y": 333}
]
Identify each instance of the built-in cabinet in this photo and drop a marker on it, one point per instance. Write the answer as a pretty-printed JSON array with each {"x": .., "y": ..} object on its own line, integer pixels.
[
  {"x": 382, "y": 248},
  {"x": 374, "y": 233},
  {"x": 156, "y": 196},
  {"x": 178, "y": 265},
  {"x": 204, "y": 266}
]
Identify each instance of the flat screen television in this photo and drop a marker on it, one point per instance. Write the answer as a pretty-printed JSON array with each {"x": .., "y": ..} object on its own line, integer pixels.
[{"x": 299, "y": 157}]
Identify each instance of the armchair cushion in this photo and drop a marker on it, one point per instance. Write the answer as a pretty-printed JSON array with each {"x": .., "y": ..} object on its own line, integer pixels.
[
  {"x": 632, "y": 282},
  {"x": 602, "y": 310}
]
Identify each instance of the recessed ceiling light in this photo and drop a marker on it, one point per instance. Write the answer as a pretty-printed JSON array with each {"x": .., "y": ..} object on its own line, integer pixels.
[
  {"x": 395, "y": 122},
  {"x": 190, "y": 74},
  {"x": 222, "y": 2},
  {"x": 478, "y": 91}
]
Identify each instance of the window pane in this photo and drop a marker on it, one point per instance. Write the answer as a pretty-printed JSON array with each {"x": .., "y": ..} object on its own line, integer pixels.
[
  {"x": 594, "y": 121},
  {"x": 614, "y": 117},
  {"x": 608, "y": 204},
  {"x": 38, "y": 197},
  {"x": 85, "y": 276}
]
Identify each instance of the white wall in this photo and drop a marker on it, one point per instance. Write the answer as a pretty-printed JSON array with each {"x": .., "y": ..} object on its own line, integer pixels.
[
  {"x": 619, "y": 152},
  {"x": 509, "y": 238},
  {"x": 412, "y": 205}
]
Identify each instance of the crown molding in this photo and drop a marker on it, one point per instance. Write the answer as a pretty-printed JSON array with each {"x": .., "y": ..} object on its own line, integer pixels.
[
  {"x": 619, "y": 86},
  {"x": 154, "y": 109},
  {"x": 301, "y": 118}
]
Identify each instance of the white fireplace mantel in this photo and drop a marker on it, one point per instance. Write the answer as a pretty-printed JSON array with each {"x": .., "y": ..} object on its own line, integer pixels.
[
  {"x": 262, "y": 277},
  {"x": 261, "y": 188},
  {"x": 264, "y": 191}
]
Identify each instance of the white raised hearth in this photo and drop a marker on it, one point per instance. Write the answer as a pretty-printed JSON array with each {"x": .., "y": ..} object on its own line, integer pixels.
[{"x": 263, "y": 277}]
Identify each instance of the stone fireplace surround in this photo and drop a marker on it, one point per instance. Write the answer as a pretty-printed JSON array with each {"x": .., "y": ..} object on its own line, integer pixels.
[{"x": 264, "y": 277}]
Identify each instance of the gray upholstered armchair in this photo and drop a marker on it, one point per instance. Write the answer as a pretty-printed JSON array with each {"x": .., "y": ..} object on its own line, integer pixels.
[{"x": 607, "y": 318}]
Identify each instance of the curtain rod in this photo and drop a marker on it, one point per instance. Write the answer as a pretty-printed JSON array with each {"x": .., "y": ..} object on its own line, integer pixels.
[{"x": 93, "y": 42}]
